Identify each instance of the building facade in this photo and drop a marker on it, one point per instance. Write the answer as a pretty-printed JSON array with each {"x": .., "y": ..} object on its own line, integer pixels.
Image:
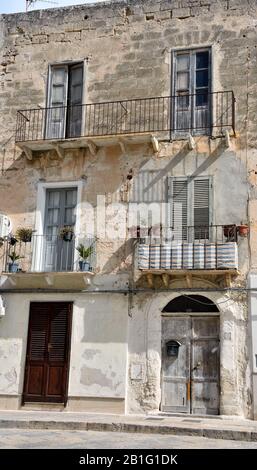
[{"x": 127, "y": 191}]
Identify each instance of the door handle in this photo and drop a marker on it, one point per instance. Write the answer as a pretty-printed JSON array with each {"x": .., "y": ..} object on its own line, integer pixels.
[
  {"x": 49, "y": 347},
  {"x": 197, "y": 365}
]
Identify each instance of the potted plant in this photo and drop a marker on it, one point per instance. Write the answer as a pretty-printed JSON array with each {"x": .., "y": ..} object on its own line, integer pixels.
[
  {"x": 1, "y": 241},
  {"x": 243, "y": 230},
  {"x": 24, "y": 234},
  {"x": 84, "y": 253},
  {"x": 13, "y": 267},
  {"x": 66, "y": 233},
  {"x": 230, "y": 232},
  {"x": 12, "y": 240}
]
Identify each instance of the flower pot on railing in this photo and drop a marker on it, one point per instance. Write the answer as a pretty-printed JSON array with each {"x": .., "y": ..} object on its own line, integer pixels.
[
  {"x": 230, "y": 232},
  {"x": 243, "y": 230},
  {"x": 84, "y": 266},
  {"x": 13, "y": 267},
  {"x": 66, "y": 233}
]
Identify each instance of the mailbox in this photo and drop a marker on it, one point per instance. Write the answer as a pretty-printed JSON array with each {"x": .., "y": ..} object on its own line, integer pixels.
[{"x": 172, "y": 348}]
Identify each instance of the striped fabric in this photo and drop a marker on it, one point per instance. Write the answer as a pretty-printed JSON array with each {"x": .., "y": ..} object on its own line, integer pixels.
[
  {"x": 198, "y": 255},
  {"x": 155, "y": 252},
  {"x": 210, "y": 256},
  {"x": 166, "y": 256},
  {"x": 187, "y": 256},
  {"x": 227, "y": 256},
  {"x": 143, "y": 256},
  {"x": 176, "y": 255}
]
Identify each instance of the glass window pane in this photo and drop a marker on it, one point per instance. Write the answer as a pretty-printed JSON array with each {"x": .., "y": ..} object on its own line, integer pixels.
[
  {"x": 201, "y": 98},
  {"x": 59, "y": 76},
  {"x": 182, "y": 63},
  {"x": 58, "y": 94},
  {"x": 71, "y": 197},
  {"x": 54, "y": 199},
  {"x": 183, "y": 102},
  {"x": 182, "y": 81},
  {"x": 202, "y": 78},
  {"x": 52, "y": 216},
  {"x": 76, "y": 76},
  {"x": 202, "y": 60}
]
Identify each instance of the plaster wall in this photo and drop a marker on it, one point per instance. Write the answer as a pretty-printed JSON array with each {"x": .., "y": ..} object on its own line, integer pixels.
[{"x": 98, "y": 360}]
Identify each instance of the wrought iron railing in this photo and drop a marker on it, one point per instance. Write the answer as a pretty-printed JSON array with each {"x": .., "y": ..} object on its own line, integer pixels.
[
  {"x": 47, "y": 253},
  {"x": 197, "y": 247},
  {"x": 201, "y": 113}
]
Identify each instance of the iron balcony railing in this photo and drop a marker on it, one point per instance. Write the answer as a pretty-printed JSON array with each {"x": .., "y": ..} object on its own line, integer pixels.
[
  {"x": 47, "y": 253},
  {"x": 201, "y": 113},
  {"x": 211, "y": 247}
]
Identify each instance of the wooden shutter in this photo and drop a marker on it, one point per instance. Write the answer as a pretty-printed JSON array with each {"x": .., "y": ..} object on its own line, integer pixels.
[
  {"x": 38, "y": 332},
  {"x": 201, "y": 209},
  {"x": 58, "y": 333},
  {"x": 57, "y": 102},
  {"x": 75, "y": 100},
  {"x": 178, "y": 195}
]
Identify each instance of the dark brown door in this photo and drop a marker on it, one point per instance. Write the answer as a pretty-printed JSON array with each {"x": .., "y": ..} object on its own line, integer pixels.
[{"x": 47, "y": 360}]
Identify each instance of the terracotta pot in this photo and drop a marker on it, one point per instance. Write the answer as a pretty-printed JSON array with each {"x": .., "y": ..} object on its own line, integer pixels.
[{"x": 243, "y": 230}]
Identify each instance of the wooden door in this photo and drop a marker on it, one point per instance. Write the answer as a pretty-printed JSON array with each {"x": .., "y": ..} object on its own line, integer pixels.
[
  {"x": 48, "y": 348},
  {"x": 60, "y": 212},
  {"x": 190, "y": 379},
  {"x": 176, "y": 369},
  {"x": 192, "y": 86},
  {"x": 205, "y": 365}
]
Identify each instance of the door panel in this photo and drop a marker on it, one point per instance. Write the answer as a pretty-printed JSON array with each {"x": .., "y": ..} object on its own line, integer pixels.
[
  {"x": 191, "y": 107},
  {"x": 46, "y": 370},
  {"x": 75, "y": 101},
  {"x": 175, "y": 370},
  {"x": 57, "y": 103},
  {"x": 205, "y": 365},
  {"x": 58, "y": 254},
  {"x": 190, "y": 381}
]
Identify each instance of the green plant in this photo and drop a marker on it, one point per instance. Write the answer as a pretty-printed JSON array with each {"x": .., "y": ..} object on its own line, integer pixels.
[
  {"x": 66, "y": 229},
  {"x": 14, "y": 257},
  {"x": 24, "y": 234},
  {"x": 84, "y": 252}
]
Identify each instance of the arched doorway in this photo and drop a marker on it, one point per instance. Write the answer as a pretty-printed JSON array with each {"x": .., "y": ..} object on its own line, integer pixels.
[{"x": 190, "y": 356}]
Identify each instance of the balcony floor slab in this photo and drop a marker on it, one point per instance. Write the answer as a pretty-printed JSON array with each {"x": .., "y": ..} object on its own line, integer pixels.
[{"x": 71, "y": 280}]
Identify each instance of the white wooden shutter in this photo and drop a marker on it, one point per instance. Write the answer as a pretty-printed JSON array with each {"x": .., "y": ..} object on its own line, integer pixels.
[
  {"x": 178, "y": 196},
  {"x": 57, "y": 102},
  {"x": 201, "y": 210}
]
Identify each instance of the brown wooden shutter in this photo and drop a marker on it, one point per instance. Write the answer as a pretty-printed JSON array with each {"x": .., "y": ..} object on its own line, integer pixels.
[
  {"x": 38, "y": 332},
  {"x": 57, "y": 335}
]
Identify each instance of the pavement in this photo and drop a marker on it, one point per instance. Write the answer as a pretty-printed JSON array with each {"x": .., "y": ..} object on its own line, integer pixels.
[{"x": 221, "y": 427}]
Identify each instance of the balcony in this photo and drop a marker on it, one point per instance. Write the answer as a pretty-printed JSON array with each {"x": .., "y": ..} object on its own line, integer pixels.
[
  {"x": 47, "y": 262},
  {"x": 189, "y": 252},
  {"x": 125, "y": 122}
]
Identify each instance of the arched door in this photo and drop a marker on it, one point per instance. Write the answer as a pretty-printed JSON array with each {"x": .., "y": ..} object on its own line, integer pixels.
[{"x": 190, "y": 356}]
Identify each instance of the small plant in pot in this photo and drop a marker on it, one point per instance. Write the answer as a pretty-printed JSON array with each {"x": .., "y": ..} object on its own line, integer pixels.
[
  {"x": 66, "y": 233},
  {"x": 243, "y": 229},
  {"x": 84, "y": 253},
  {"x": 13, "y": 267},
  {"x": 24, "y": 234}
]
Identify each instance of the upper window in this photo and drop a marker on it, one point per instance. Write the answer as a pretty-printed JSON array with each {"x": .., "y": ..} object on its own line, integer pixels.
[
  {"x": 191, "y": 90},
  {"x": 64, "y": 101}
]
